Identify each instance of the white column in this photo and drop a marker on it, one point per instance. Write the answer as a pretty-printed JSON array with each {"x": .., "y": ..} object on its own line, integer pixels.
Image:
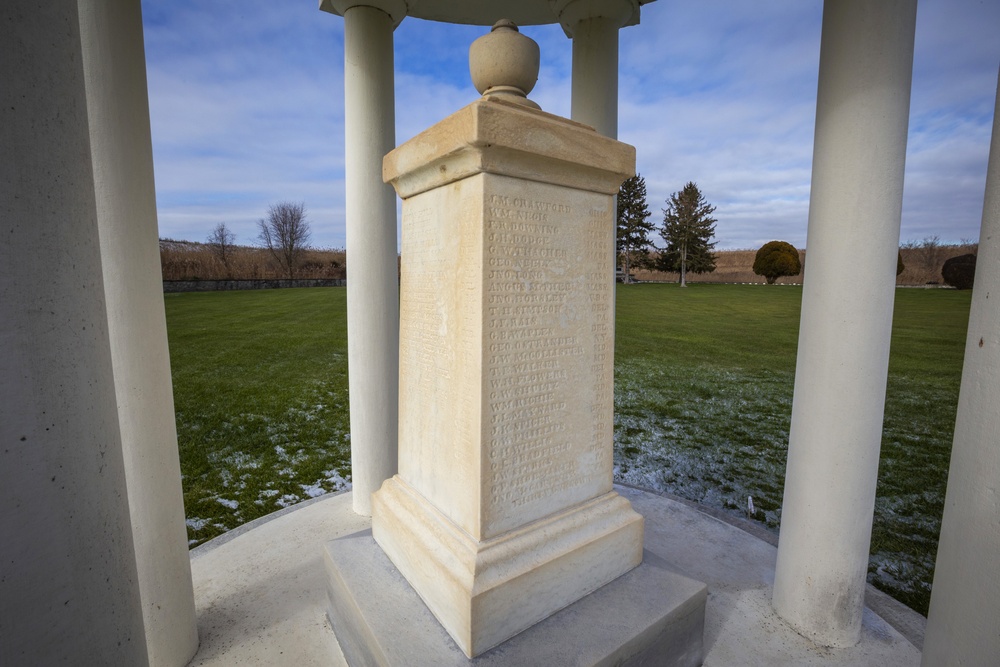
[
  {"x": 372, "y": 280},
  {"x": 594, "y": 29},
  {"x": 69, "y": 592},
  {"x": 117, "y": 103},
  {"x": 595, "y": 74},
  {"x": 862, "y": 110},
  {"x": 965, "y": 600}
]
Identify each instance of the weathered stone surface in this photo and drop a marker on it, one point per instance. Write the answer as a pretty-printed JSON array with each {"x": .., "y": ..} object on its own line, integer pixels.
[
  {"x": 497, "y": 137},
  {"x": 484, "y": 592},
  {"x": 649, "y": 616},
  {"x": 503, "y": 510}
]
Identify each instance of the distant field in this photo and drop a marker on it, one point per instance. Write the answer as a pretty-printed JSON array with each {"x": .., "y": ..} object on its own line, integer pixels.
[
  {"x": 922, "y": 263},
  {"x": 187, "y": 260},
  {"x": 703, "y": 387},
  {"x": 190, "y": 260}
]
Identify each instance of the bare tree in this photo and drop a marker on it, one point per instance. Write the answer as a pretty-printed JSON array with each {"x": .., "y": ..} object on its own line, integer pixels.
[
  {"x": 925, "y": 258},
  {"x": 222, "y": 241},
  {"x": 285, "y": 233}
]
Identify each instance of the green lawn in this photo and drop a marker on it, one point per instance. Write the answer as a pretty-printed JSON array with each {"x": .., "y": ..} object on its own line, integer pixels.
[
  {"x": 260, "y": 389},
  {"x": 703, "y": 389},
  {"x": 703, "y": 396}
]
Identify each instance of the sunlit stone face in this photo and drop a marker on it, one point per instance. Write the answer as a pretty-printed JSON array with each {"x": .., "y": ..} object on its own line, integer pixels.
[
  {"x": 506, "y": 315},
  {"x": 503, "y": 510}
]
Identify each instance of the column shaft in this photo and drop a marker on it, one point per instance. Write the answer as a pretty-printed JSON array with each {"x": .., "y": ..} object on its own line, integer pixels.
[
  {"x": 862, "y": 111},
  {"x": 68, "y": 585},
  {"x": 595, "y": 74},
  {"x": 372, "y": 281},
  {"x": 118, "y": 109},
  {"x": 965, "y": 600}
]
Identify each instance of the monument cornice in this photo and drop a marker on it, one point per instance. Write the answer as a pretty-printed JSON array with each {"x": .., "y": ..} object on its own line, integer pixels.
[{"x": 478, "y": 139}]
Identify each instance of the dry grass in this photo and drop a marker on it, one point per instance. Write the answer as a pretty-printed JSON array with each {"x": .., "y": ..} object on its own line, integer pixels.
[
  {"x": 922, "y": 262},
  {"x": 186, "y": 260},
  {"x": 731, "y": 266}
]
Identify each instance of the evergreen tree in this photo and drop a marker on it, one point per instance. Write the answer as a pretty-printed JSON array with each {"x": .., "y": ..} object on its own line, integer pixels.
[
  {"x": 634, "y": 225},
  {"x": 688, "y": 228}
]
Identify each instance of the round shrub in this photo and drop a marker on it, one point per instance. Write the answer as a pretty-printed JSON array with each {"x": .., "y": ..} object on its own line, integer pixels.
[
  {"x": 776, "y": 259},
  {"x": 959, "y": 272}
]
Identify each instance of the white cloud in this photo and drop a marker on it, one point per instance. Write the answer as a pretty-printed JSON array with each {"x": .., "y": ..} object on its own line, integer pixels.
[{"x": 247, "y": 109}]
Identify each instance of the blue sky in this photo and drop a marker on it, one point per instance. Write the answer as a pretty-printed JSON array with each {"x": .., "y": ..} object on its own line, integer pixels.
[{"x": 246, "y": 102}]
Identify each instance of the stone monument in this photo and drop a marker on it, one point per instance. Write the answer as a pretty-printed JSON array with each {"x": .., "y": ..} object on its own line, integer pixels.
[
  {"x": 501, "y": 542},
  {"x": 503, "y": 510}
]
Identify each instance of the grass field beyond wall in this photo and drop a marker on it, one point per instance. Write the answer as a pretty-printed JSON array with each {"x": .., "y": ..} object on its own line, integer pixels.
[
  {"x": 703, "y": 400},
  {"x": 260, "y": 390},
  {"x": 703, "y": 390}
]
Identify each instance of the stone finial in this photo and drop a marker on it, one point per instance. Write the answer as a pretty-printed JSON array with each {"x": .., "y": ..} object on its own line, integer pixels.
[{"x": 504, "y": 64}]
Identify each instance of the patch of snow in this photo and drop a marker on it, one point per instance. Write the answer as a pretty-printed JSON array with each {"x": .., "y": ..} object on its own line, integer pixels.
[
  {"x": 242, "y": 461},
  {"x": 335, "y": 481},
  {"x": 312, "y": 490},
  {"x": 231, "y": 504},
  {"x": 194, "y": 523}
]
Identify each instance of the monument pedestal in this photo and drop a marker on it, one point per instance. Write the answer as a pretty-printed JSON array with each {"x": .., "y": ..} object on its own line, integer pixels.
[
  {"x": 503, "y": 510},
  {"x": 649, "y": 616},
  {"x": 486, "y": 592}
]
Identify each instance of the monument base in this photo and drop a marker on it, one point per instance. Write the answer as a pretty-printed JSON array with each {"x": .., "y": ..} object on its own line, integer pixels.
[
  {"x": 648, "y": 616},
  {"x": 486, "y": 592}
]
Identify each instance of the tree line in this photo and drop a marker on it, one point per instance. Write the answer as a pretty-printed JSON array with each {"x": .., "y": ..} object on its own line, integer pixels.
[
  {"x": 281, "y": 249},
  {"x": 688, "y": 230},
  {"x": 284, "y": 233}
]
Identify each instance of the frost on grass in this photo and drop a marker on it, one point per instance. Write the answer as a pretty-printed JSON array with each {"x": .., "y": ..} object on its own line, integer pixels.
[
  {"x": 254, "y": 462},
  {"x": 241, "y": 461},
  {"x": 718, "y": 436},
  {"x": 332, "y": 482},
  {"x": 194, "y": 523},
  {"x": 337, "y": 481},
  {"x": 708, "y": 435},
  {"x": 312, "y": 490}
]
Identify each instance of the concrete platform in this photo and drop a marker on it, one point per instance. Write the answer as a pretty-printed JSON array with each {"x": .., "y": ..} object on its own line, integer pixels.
[
  {"x": 261, "y": 594},
  {"x": 647, "y": 616}
]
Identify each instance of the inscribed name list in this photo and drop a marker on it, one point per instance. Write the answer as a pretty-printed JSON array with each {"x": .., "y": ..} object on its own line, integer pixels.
[
  {"x": 506, "y": 350},
  {"x": 548, "y": 340}
]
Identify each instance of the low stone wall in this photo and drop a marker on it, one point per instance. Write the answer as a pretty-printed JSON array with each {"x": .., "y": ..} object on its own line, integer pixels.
[{"x": 217, "y": 285}]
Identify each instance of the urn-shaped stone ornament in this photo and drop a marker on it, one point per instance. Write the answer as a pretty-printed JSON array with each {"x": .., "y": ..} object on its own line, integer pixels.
[{"x": 504, "y": 64}]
